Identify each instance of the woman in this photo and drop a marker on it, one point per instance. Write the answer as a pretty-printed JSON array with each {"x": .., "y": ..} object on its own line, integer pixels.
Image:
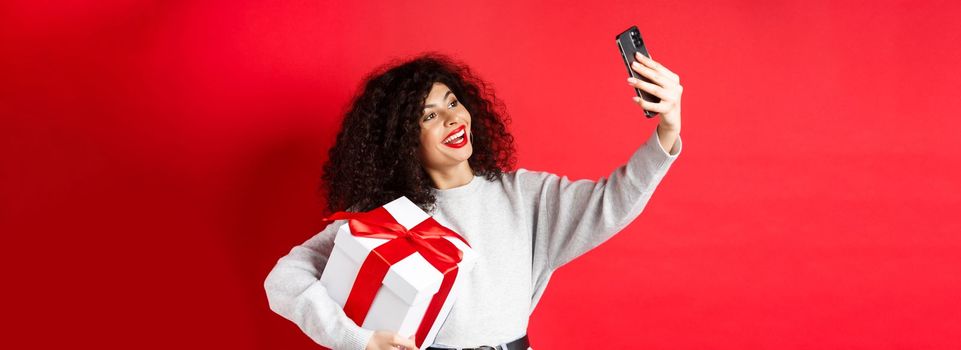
[{"x": 430, "y": 130}]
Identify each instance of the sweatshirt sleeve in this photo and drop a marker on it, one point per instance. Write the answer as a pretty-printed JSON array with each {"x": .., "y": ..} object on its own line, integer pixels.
[
  {"x": 294, "y": 291},
  {"x": 573, "y": 217}
]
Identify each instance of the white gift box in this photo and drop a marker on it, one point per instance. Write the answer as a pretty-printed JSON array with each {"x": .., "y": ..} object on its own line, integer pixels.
[{"x": 410, "y": 284}]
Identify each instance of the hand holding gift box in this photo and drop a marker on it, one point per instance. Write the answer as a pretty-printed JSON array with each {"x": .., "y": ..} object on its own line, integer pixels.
[{"x": 395, "y": 268}]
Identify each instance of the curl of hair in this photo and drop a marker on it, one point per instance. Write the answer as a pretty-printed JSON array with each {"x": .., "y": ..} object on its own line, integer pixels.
[{"x": 375, "y": 157}]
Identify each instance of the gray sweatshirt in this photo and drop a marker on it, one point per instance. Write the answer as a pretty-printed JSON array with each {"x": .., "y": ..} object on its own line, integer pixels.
[{"x": 523, "y": 226}]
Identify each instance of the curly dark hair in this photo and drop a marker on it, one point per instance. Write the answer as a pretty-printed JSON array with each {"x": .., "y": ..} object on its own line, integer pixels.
[{"x": 374, "y": 159}]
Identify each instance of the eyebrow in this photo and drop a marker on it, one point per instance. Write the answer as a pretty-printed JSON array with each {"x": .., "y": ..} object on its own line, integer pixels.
[{"x": 432, "y": 105}]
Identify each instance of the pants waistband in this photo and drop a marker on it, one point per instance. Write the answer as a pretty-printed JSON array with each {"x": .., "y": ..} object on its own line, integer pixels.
[{"x": 522, "y": 343}]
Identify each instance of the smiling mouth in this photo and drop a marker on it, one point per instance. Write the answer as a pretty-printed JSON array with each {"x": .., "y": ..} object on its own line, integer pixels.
[{"x": 457, "y": 138}]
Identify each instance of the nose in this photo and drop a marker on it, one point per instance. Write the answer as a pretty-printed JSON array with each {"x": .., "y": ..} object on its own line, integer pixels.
[{"x": 452, "y": 119}]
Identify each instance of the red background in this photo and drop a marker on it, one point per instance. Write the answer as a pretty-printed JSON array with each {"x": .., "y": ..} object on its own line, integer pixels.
[{"x": 158, "y": 157}]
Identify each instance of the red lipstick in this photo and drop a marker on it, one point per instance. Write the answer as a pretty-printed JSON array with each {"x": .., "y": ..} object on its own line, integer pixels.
[{"x": 463, "y": 139}]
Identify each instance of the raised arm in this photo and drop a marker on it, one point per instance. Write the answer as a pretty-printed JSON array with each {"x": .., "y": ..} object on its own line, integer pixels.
[
  {"x": 573, "y": 217},
  {"x": 576, "y": 216},
  {"x": 294, "y": 292}
]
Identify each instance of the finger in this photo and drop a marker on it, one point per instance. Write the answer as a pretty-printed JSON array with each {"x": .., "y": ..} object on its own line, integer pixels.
[
  {"x": 647, "y": 72},
  {"x": 651, "y": 88},
  {"x": 405, "y": 342},
  {"x": 650, "y": 62},
  {"x": 660, "y": 107},
  {"x": 647, "y": 61}
]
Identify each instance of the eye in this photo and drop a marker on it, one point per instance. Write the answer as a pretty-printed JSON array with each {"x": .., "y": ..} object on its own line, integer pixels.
[{"x": 453, "y": 103}]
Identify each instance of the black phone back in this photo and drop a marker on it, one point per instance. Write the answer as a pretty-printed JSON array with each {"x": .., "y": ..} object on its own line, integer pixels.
[{"x": 630, "y": 42}]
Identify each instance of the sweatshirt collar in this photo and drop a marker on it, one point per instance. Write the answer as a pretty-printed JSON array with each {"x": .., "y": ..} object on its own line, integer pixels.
[{"x": 461, "y": 190}]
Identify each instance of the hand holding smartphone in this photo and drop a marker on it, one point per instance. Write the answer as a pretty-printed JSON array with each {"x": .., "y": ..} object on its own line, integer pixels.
[{"x": 629, "y": 43}]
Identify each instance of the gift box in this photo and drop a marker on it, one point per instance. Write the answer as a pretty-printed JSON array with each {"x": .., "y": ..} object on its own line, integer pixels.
[{"x": 395, "y": 268}]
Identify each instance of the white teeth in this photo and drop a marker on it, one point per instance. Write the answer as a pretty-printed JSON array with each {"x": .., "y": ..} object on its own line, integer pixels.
[{"x": 454, "y": 137}]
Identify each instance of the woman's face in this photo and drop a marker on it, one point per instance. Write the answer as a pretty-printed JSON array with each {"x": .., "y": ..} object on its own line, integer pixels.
[{"x": 444, "y": 119}]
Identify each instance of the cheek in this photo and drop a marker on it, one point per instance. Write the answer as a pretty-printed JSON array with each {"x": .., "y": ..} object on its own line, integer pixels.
[{"x": 427, "y": 138}]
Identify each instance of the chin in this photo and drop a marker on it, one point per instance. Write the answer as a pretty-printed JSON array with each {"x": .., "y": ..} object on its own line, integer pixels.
[
  {"x": 468, "y": 151},
  {"x": 460, "y": 158}
]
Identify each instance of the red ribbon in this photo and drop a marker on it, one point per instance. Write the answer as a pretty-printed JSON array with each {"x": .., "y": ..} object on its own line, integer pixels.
[{"x": 426, "y": 238}]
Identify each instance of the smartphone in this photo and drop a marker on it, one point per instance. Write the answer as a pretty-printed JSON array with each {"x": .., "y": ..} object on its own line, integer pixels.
[{"x": 629, "y": 42}]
